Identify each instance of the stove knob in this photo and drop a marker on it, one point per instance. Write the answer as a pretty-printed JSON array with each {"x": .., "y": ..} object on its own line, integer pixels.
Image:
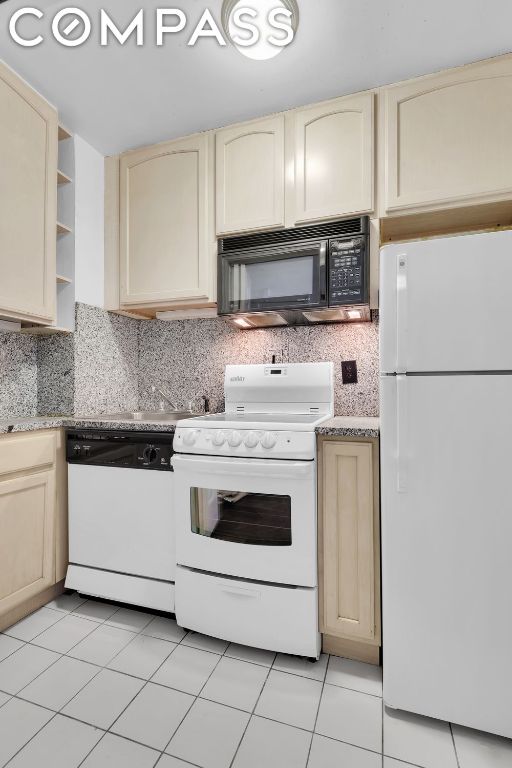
[
  {"x": 219, "y": 438},
  {"x": 190, "y": 437},
  {"x": 252, "y": 440},
  {"x": 268, "y": 440},
  {"x": 150, "y": 454},
  {"x": 234, "y": 439}
]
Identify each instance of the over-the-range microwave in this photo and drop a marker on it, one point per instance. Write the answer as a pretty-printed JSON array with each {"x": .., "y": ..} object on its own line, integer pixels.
[{"x": 301, "y": 276}]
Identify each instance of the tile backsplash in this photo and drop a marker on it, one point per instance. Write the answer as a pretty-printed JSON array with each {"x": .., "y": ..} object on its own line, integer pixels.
[
  {"x": 187, "y": 358},
  {"x": 111, "y": 362}
]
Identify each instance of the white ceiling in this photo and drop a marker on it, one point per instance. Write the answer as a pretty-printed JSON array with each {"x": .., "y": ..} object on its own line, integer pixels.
[{"x": 122, "y": 97}]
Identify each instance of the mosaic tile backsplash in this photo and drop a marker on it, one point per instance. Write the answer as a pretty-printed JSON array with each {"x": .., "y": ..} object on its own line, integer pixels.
[{"x": 111, "y": 362}]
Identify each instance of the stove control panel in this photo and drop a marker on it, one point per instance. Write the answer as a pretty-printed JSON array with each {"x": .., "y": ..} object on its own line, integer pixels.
[{"x": 261, "y": 444}]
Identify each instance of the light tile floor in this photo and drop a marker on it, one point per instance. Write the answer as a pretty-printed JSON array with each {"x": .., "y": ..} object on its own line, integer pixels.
[{"x": 92, "y": 684}]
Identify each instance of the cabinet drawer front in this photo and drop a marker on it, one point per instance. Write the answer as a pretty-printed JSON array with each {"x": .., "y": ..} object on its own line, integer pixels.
[
  {"x": 27, "y": 547},
  {"x": 26, "y": 452},
  {"x": 250, "y": 176},
  {"x": 334, "y": 158},
  {"x": 165, "y": 228},
  {"x": 448, "y": 139},
  {"x": 348, "y": 541},
  {"x": 28, "y": 200}
]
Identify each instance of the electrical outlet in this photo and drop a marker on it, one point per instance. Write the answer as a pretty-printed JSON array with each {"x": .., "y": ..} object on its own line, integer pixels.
[{"x": 349, "y": 371}]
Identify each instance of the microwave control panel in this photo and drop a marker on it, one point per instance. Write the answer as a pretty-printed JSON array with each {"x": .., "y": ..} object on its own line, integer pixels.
[{"x": 348, "y": 271}]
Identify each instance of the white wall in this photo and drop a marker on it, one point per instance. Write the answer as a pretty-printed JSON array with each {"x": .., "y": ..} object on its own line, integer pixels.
[{"x": 89, "y": 224}]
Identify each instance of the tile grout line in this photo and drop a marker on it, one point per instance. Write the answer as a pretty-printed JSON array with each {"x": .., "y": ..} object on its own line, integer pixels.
[
  {"x": 196, "y": 697},
  {"x": 252, "y": 713},
  {"x": 31, "y": 738},
  {"x": 318, "y": 708},
  {"x": 454, "y": 746}
]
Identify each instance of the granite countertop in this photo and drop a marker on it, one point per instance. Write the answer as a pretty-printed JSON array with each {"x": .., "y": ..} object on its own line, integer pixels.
[
  {"x": 32, "y": 423},
  {"x": 339, "y": 426},
  {"x": 350, "y": 426}
]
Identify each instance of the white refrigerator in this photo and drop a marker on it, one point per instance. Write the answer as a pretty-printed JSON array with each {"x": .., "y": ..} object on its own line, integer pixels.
[{"x": 446, "y": 453}]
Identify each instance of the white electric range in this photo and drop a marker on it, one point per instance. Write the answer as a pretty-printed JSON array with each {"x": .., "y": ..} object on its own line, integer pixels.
[{"x": 245, "y": 495}]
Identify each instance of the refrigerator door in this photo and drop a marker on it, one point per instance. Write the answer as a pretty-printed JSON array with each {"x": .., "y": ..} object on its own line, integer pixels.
[
  {"x": 446, "y": 546},
  {"x": 445, "y": 304}
]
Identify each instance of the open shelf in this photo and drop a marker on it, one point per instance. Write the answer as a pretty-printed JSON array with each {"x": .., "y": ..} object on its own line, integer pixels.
[
  {"x": 63, "y": 178},
  {"x": 63, "y": 279},
  {"x": 64, "y": 133},
  {"x": 62, "y": 229}
]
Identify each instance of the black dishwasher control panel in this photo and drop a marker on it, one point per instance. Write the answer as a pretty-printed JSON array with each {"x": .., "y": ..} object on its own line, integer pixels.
[{"x": 116, "y": 448}]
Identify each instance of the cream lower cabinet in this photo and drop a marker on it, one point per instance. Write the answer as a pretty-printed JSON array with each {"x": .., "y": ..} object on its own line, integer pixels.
[
  {"x": 167, "y": 240},
  {"x": 447, "y": 138},
  {"x": 33, "y": 521},
  {"x": 334, "y": 158},
  {"x": 28, "y": 202},
  {"x": 349, "y": 559},
  {"x": 250, "y": 175}
]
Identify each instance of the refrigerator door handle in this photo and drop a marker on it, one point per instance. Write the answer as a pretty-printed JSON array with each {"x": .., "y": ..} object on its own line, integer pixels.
[
  {"x": 401, "y": 434},
  {"x": 401, "y": 313}
]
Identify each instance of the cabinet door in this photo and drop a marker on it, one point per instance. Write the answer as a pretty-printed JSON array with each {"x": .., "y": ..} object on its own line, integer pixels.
[
  {"x": 166, "y": 235},
  {"x": 447, "y": 138},
  {"x": 27, "y": 543},
  {"x": 250, "y": 176},
  {"x": 28, "y": 201},
  {"x": 349, "y": 541},
  {"x": 334, "y": 165}
]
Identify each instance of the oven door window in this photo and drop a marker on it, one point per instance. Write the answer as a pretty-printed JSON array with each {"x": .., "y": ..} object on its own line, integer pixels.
[
  {"x": 243, "y": 518},
  {"x": 280, "y": 279}
]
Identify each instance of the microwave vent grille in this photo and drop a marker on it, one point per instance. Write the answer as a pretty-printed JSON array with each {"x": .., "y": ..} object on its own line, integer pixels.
[{"x": 342, "y": 228}]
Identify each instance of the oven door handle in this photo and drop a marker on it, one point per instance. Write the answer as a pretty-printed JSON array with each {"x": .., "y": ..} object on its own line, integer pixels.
[{"x": 251, "y": 467}]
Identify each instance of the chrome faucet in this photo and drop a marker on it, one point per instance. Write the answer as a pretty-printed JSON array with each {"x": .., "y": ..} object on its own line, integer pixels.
[{"x": 164, "y": 399}]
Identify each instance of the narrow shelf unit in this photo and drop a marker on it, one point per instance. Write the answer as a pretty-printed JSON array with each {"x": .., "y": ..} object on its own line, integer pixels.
[{"x": 65, "y": 322}]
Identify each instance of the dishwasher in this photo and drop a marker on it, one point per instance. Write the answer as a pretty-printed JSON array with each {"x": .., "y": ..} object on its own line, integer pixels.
[{"x": 121, "y": 516}]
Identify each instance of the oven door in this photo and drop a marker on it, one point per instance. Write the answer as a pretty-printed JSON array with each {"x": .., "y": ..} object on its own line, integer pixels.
[
  {"x": 252, "y": 518},
  {"x": 292, "y": 277}
]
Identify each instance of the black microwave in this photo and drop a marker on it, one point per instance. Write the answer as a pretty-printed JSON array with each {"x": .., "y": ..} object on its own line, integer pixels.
[{"x": 301, "y": 276}]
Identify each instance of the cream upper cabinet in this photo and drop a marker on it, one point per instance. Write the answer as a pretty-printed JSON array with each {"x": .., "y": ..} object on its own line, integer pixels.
[
  {"x": 166, "y": 244},
  {"x": 250, "y": 176},
  {"x": 349, "y": 541},
  {"x": 28, "y": 201},
  {"x": 334, "y": 158},
  {"x": 447, "y": 138}
]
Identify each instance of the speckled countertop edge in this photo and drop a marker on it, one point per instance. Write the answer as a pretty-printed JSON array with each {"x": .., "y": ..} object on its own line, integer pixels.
[
  {"x": 47, "y": 422},
  {"x": 350, "y": 426},
  {"x": 339, "y": 426}
]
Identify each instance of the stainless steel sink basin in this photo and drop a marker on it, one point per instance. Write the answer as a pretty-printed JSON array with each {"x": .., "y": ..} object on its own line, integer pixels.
[{"x": 147, "y": 416}]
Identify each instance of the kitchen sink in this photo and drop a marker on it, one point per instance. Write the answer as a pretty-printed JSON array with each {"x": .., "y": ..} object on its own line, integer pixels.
[{"x": 147, "y": 416}]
